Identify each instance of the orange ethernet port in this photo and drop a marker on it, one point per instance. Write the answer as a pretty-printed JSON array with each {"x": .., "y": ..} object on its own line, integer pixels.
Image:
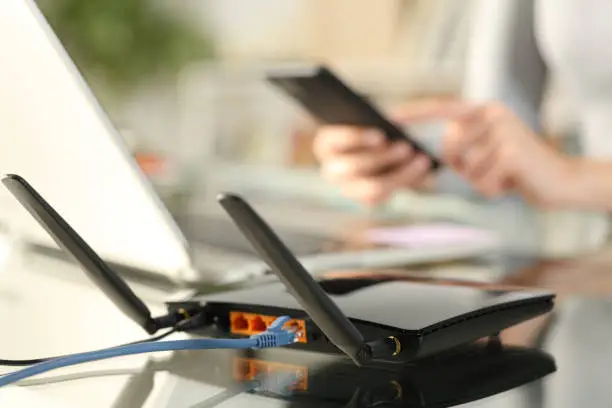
[
  {"x": 300, "y": 329},
  {"x": 239, "y": 323},
  {"x": 258, "y": 325},
  {"x": 245, "y": 323}
]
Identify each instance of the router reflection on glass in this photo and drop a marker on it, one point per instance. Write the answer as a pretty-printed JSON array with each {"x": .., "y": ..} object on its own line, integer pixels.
[
  {"x": 368, "y": 319},
  {"x": 303, "y": 379}
]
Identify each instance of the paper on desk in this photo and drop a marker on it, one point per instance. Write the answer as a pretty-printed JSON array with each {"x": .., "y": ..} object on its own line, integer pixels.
[
  {"x": 433, "y": 235},
  {"x": 20, "y": 397}
]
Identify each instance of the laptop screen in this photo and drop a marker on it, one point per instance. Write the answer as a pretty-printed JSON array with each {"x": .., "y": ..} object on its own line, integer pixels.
[{"x": 55, "y": 135}]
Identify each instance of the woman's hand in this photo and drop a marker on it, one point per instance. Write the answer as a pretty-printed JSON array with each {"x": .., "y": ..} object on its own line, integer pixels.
[
  {"x": 497, "y": 153},
  {"x": 488, "y": 145},
  {"x": 366, "y": 166}
]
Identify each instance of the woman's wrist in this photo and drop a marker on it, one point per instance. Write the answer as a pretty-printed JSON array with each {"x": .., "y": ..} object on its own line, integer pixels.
[
  {"x": 565, "y": 183},
  {"x": 583, "y": 184}
]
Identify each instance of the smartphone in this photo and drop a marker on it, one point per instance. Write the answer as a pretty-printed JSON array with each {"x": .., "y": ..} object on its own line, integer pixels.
[{"x": 331, "y": 101}]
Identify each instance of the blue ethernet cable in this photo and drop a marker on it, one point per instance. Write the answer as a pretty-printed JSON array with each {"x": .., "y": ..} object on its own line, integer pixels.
[{"x": 274, "y": 336}]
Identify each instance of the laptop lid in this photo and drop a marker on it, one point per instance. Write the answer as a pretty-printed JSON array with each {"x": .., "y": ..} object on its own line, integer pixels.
[{"x": 54, "y": 133}]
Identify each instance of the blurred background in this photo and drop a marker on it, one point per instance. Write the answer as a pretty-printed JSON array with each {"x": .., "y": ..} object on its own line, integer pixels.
[{"x": 182, "y": 81}]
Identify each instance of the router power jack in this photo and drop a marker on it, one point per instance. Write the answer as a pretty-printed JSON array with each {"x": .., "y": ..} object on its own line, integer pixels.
[
  {"x": 390, "y": 346},
  {"x": 190, "y": 315}
]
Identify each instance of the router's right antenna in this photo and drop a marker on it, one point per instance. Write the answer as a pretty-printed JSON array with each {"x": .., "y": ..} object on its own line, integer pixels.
[
  {"x": 323, "y": 311},
  {"x": 111, "y": 284}
]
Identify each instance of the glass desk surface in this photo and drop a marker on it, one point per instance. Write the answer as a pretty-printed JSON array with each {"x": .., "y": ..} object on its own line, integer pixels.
[{"x": 560, "y": 360}]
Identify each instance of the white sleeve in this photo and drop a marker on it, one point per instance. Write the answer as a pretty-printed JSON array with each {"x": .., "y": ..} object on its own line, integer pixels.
[
  {"x": 503, "y": 60},
  {"x": 503, "y": 64}
]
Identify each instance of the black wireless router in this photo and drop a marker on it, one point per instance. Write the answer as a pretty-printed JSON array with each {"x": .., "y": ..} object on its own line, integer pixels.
[
  {"x": 373, "y": 319},
  {"x": 367, "y": 319}
]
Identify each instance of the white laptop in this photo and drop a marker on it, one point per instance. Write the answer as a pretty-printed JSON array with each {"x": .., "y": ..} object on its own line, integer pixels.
[{"x": 54, "y": 133}]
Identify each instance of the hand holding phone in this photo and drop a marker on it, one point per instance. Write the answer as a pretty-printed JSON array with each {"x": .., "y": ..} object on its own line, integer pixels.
[
  {"x": 332, "y": 102},
  {"x": 360, "y": 151}
]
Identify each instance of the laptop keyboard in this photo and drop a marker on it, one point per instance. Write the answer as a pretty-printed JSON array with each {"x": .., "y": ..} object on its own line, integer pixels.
[{"x": 223, "y": 234}]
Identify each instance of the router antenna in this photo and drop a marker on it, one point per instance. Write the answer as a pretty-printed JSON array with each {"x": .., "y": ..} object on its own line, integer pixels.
[
  {"x": 323, "y": 311},
  {"x": 103, "y": 276}
]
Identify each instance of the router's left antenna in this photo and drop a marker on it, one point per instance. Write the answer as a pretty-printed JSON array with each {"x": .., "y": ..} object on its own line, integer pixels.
[{"x": 103, "y": 276}]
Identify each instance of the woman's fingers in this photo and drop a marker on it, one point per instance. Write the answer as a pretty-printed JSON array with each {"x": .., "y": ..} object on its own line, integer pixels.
[
  {"x": 494, "y": 182},
  {"x": 479, "y": 160},
  {"x": 333, "y": 140},
  {"x": 375, "y": 189},
  {"x": 463, "y": 135},
  {"x": 414, "y": 173},
  {"x": 366, "y": 163}
]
